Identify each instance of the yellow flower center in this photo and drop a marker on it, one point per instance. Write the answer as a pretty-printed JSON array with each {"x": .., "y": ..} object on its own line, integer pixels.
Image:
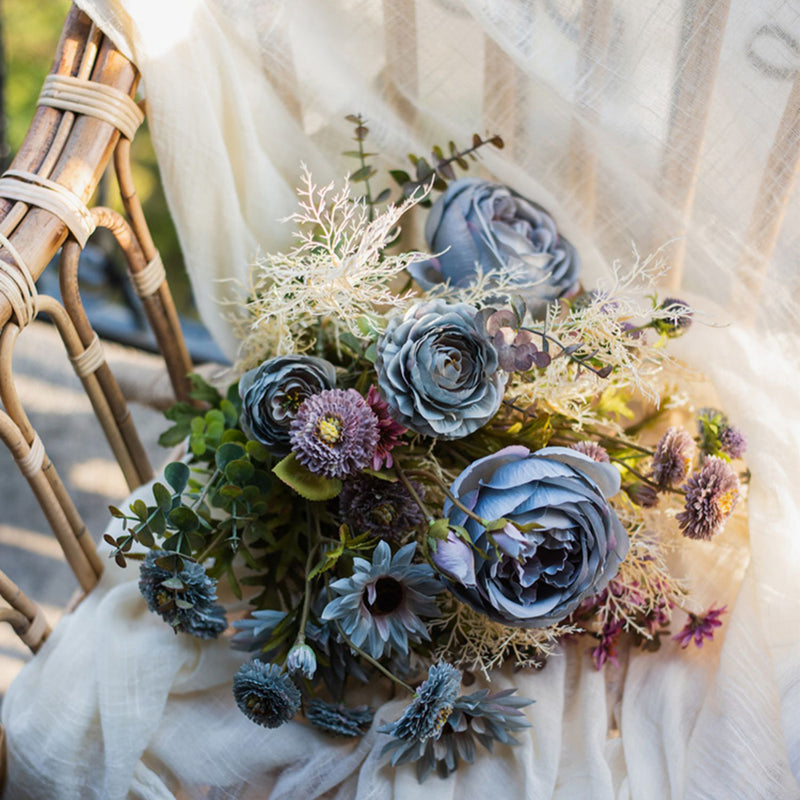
[
  {"x": 726, "y": 502},
  {"x": 329, "y": 430}
]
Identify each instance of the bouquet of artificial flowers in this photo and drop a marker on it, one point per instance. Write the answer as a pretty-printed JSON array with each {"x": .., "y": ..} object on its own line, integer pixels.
[{"x": 432, "y": 465}]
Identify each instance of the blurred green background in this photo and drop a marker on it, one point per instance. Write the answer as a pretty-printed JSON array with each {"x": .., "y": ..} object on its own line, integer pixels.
[{"x": 31, "y": 29}]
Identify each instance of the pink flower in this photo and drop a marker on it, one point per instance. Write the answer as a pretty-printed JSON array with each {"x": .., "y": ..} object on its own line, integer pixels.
[
  {"x": 389, "y": 431},
  {"x": 700, "y": 627}
]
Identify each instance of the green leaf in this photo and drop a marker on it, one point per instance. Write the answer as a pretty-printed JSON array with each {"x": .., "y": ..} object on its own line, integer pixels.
[
  {"x": 183, "y": 519},
  {"x": 203, "y": 391},
  {"x": 227, "y": 453},
  {"x": 115, "y": 512},
  {"x": 174, "y": 583},
  {"x": 257, "y": 451},
  {"x": 239, "y": 471},
  {"x": 162, "y": 497},
  {"x": 230, "y": 412},
  {"x": 383, "y": 196},
  {"x": 197, "y": 444},
  {"x": 363, "y": 174},
  {"x": 176, "y": 475},
  {"x": 139, "y": 509},
  {"x": 184, "y": 604},
  {"x": 304, "y": 482},
  {"x": 175, "y": 435},
  {"x": 400, "y": 176}
]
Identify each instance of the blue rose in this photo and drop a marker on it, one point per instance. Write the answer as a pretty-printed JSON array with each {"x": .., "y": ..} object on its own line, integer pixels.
[
  {"x": 481, "y": 226},
  {"x": 438, "y": 371},
  {"x": 272, "y": 392},
  {"x": 562, "y": 542}
]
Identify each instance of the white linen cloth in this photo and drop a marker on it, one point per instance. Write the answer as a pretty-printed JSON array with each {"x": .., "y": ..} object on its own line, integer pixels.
[{"x": 238, "y": 93}]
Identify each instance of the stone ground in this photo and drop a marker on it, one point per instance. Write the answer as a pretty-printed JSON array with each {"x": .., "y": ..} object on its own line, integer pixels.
[{"x": 59, "y": 410}]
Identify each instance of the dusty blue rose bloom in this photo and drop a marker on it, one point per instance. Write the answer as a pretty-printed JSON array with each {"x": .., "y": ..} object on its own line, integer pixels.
[
  {"x": 536, "y": 576},
  {"x": 274, "y": 391},
  {"x": 478, "y": 226},
  {"x": 438, "y": 370}
]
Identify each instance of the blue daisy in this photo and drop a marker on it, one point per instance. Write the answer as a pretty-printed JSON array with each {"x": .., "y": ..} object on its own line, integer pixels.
[{"x": 379, "y": 607}]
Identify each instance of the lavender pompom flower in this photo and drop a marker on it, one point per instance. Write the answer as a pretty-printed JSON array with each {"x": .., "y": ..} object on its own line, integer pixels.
[
  {"x": 718, "y": 436},
  {"x": 186, "y": 599},
  {"x": 382, "y": 508},
  {"x": 431, "y": 707},
  {"x": 592, "y": 449},
  {"x": 438, "y": 370},
  {"x": 673, "y": 458},
  {"x": 337, "y": 719},
  {"x": 335, "y": 433},
  {"x": 732, "y": 441},
  {"x": 711, "y": 495},
  {"x": 380, "y": 605},
  {"x": 264, "y": 694},
  {"x": 478, "y": 718},
  {"x": 274, "y": 391},
  {"x": 700, "y": 627}
]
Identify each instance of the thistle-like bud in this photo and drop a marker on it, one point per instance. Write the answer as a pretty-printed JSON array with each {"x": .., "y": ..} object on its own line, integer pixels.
[{"x": 301, "y": 659}]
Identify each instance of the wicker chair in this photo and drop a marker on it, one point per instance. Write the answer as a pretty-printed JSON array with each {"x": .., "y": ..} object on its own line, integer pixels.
[{"x": 86, "y": 116}]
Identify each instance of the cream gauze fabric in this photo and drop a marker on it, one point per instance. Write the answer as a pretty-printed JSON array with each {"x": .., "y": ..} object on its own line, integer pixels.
[{"x": 647, "y": 122}]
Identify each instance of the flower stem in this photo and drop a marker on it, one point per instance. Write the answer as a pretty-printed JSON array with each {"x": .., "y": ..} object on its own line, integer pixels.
[
  {"x": 375, "y": 663},
  {"x": 413, "y": 492},
  {"x": 301, "y": 636},
  {"x": 646, "y": 480}
]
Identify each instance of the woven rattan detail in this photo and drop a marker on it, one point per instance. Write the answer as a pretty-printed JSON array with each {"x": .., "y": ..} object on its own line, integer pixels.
[
  {"x": 18, "y": 285},
  {"x": 90, "y": 359},
  {"x": 149, "y": 280},
  {"x": 36, "y": 631},
  {"x": 30, "y": 464},
  {"x": 93, "y": 99},
  {"x": 35, "y": 190}
]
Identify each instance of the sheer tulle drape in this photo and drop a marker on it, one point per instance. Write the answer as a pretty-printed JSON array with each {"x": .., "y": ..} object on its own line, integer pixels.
[{"x": 671, "y": 124}]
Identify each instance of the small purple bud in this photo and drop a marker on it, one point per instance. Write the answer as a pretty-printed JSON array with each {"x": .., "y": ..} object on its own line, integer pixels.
[{"x": 453, "y": 557}]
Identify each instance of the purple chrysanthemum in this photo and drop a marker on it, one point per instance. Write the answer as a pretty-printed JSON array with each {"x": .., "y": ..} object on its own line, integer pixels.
[
  {"x": 335, "y": 433},
  {"x": 382, "y": 508},
  {"x": 672, "y": 461},
  {"x": 711, "y": 495},
  {"x": 700, "y": 627},
  {"x": 389, "y": 431},
  {"x": 595, "y": 451},
  {"x": 732, "y": 441}
]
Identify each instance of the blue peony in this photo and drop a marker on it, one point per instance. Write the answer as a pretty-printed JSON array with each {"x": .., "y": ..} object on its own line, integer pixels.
[
  {"x": 562, "y": 541},
  {"x": 438, "y": 370},
  {"x": 481, "y": 226},
  {"x": 274, "y": 391}
]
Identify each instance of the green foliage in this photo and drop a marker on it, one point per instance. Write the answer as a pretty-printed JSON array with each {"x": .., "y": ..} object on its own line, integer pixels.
[{"x": 437, "y": 172}]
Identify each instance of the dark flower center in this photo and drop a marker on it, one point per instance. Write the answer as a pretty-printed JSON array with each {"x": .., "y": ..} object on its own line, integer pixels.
[
  {"x": 292, "y": 400},
  {"x": 383, "y": 513},
  {"x": 388, "y": 596}
]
